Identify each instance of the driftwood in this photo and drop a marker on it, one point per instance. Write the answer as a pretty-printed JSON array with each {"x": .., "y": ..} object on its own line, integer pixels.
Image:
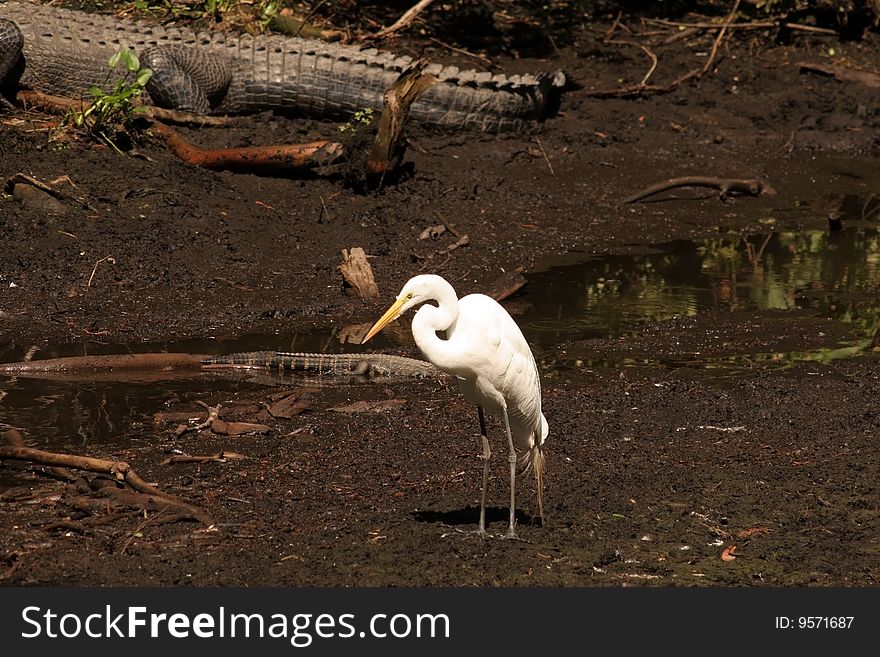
[
  {"x": 358, "y": 274},
  {"x": 286, "y": 158},
  {"x": 146, "y": 496},
  {"x": 114, "y": 367},
  {"x": 725, "y": 186},
  {"x": 387, "y": 151}
]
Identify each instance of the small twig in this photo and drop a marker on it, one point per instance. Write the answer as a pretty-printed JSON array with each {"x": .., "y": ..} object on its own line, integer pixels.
[
  {"x": 725, "y": 186},
  {"x": 219, "y": 457},
  {"x": 462, "y": 51},
  {"x": 810, "y": 28},
  {"x": 713, "y": 26},
  {"x": 48, "y": 188},
  {"x": 614, "y": 25},
  {"x": 720, "y": 36},
  {"x": 450, "y": 227},
  {"x": 213, "y": 414},
  {"x": 865, "y": 213},
  {"x": 653, "y": 68},
  {"x": 308, "y": 17},
  {"x": 134, "y": 533},
  {"x": 109, "y": 259},
  {"x": 544, "y": 153},
  {"x": 402, "y": 22},
  {"x": 789, "y": 144}
]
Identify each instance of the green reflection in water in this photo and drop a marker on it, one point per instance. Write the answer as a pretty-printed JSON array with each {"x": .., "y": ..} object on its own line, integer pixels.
[{"x": 836, "y": 274}]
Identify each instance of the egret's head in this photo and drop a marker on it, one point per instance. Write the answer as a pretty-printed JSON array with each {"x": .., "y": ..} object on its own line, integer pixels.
[{"x": 418, "y": 290}]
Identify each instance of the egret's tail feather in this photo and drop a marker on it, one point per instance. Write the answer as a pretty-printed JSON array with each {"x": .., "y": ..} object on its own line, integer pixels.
[{"x": 537, "y": 459}]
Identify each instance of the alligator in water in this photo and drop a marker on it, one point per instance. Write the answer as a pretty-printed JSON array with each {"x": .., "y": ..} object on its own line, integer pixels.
[
  {"x": 367, "y": 366},
  {"x": 64, "y": 53}
]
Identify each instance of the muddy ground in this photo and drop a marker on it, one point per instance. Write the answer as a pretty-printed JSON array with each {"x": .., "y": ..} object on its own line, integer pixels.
[{"x": 653, "y": 473}]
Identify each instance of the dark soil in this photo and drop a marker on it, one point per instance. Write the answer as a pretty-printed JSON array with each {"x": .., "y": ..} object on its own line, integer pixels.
[{"x": 652, "y": 474}]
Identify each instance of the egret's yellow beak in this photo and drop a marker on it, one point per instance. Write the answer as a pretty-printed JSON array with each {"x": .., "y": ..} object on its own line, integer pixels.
[{"x": 390, "y": 315}]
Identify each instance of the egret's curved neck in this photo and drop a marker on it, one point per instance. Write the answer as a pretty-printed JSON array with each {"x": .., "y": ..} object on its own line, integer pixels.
[{"x": 429, "y": 319}]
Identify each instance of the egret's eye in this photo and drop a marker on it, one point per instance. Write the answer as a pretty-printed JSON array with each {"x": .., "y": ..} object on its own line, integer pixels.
[{"x": 409, "y": 295}]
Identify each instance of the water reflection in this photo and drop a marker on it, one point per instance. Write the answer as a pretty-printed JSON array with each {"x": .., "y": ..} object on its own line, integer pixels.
[
  {"x": 68, "y": 414},
  {"x": 835, "y": 273}
]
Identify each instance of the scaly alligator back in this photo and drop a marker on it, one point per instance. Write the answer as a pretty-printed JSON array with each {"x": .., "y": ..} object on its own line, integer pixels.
[
  {"x": 368, "y": 365},
  {"x": 66, "y": 53},
  {"x": 365, "y": 365}
]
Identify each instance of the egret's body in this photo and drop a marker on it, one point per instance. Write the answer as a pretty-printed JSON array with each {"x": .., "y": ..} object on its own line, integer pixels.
[{"x": 487, "y": 353}]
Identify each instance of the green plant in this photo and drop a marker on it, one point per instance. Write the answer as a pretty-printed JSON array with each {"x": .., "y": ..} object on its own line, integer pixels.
[
  {"x": 219, "y": 7},
  {"x": 115, "y": 111},
  {"x": 268, "y": 9},
  {"x": 361, "y": 119}
]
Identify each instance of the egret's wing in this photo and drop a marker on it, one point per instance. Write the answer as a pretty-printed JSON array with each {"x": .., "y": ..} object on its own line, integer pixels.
[{"x": 501, "y": 356}]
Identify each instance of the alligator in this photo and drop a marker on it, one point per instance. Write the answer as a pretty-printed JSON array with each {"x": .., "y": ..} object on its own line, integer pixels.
[
  {"x": 65, "y": 52},
  {"x": 366, "y": 366}
]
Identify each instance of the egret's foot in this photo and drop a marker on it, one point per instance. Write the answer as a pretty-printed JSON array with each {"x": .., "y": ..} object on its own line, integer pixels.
[
  {"x": 511, "y": 535},
  {"x": 479, "y": 532}
]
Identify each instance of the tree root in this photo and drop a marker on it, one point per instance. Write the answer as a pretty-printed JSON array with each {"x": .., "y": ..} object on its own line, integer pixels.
[
  {"x": 146, "y": 496},
  {"x": 725, "y": 187}
]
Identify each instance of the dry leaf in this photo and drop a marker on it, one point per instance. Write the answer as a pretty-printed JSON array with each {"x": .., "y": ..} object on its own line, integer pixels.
[
  {"x": 753, "y": 531},
  {"x": 237, "y": 428},
  {"x": 727, "y": 553},
  {"x": 291, "y": 405}
]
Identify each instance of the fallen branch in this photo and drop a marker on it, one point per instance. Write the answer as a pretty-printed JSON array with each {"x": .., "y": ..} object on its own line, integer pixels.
[
  {"x": 23, "y": 178},
  {"x": 119, "y": 470},
  {"x": 219, "y": 457},
  {"x": 720, "y": 36},
  {"x": 288, "y": 158},
  {"x": 753, "y": 25},
  {"x": 215, "y": 424},
  {"x": 725, "y": 187},
  {"x": 104, "y": 364},
  {"x": 402, "y": 22},
  {"x": 213, "y": 415},
  {"x": 15, "y": 439}
]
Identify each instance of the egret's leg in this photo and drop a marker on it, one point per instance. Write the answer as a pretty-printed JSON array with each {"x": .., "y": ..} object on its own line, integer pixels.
[
  {"x": 511, "y": 457},
  {"x": 487, "y": 453}
]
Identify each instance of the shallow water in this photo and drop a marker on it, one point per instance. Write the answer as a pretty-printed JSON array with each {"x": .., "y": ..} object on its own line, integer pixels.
[{"x": 836, "y": 274}]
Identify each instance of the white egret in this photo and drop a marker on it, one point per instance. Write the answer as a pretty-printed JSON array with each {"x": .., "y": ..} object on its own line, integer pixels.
[{"x": 486, "y": 352}]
